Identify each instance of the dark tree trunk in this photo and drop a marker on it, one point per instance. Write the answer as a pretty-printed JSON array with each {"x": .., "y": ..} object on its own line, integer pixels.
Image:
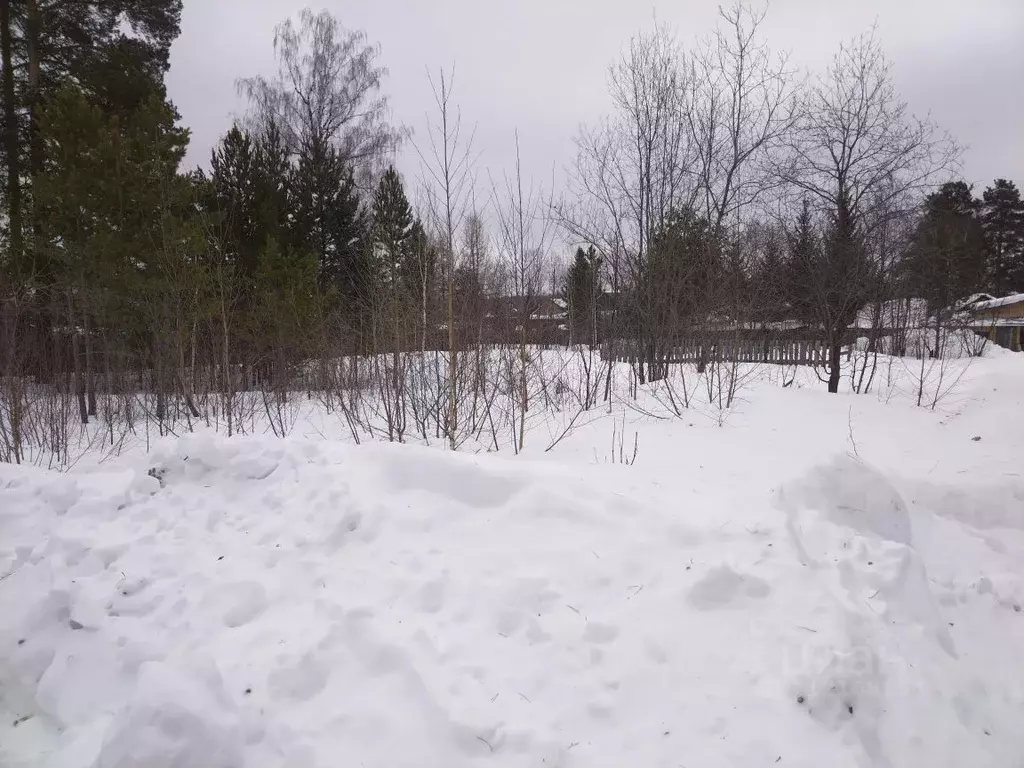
[
  {"x": 14, "y": 206},
  {"x": 90, "y": 374},
  {"x": 161, "y": 397},
  {"x": 78, "y": 381},
  {"x": 835, "y": 354},
  {"x": 33, "y": 29},
  {"x": 76, "y": 368}
]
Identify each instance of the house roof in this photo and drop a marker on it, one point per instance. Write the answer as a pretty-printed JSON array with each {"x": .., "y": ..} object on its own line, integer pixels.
[
  {"x": 1006, "y": 301},
  {"x": 973, "y": 299},
  {"x": 911, "y": 313},
  {"x": 987, "y": 323}
]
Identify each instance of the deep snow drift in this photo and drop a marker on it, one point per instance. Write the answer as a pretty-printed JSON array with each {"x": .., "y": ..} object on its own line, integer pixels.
[{"x": 824, "y": 580}]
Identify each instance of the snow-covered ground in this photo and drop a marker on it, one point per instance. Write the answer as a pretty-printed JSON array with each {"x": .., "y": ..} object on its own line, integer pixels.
[{"x": 807, "y": 580}]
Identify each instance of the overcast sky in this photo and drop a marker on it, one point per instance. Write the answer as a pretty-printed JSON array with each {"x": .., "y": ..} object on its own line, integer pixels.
[{"x": 540, "y": 65}]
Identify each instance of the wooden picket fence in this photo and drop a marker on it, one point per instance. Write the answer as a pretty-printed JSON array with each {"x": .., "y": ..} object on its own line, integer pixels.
[{"x": 774, "y": 351}]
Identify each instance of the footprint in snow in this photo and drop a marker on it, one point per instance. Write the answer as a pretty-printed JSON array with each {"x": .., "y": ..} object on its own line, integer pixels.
[
  {"x": 722, "y": 585},
  {"x": 237, "y": 604},
  {"x": 430, "y": 596},
  {"x": 600, "y": 633},
  {"x": 299, "y": 681}
]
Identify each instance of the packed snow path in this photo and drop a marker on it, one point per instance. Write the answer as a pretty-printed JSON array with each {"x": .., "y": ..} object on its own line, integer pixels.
[{"x": 759, "y": 594}]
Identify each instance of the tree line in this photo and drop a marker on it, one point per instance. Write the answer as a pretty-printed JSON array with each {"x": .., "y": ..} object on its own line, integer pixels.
[{"x": 724, "y": 192}]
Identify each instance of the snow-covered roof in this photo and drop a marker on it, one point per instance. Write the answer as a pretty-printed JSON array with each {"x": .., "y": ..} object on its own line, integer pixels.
[
  {"x": 973, "y": 299},
  {"x": 785, "y": 325},
  {"x": 912, "y": 313},
  {"x": 557, "y": 316},
  {"x": 1006, "y": 301},
  {"x": 984, "y": 323},
  {"x": 725, "y": 324}
]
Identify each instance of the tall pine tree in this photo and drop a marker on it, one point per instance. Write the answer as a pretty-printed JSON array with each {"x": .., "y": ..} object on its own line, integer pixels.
[
  {"x": 801, "y": 267},
  {"x": 581, "y": 292},
  {"x": 251, "y": 178},
  {"x": 393, "y": 245},
  {"x": 946, "y": 259},
  {"x": 114, "y": 51},
  {"x": 1003, "y": 221},
  {"x": 236, "y": 183},
  {"x": 770, "y": 274},
  {"x": 331, "y": 224},
  {"x": 127, "y": 273}
]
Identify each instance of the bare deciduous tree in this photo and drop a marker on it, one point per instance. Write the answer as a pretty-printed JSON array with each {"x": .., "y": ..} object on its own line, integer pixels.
[
  {"x": 741, "y": 105},
  {"x": 524, "y": 238},
  {"x": 326, "y": 93},
  {"x": 448, "y": 169},
  {"x": 856, "y": 146},
  {"x": 634, "y": 172}
]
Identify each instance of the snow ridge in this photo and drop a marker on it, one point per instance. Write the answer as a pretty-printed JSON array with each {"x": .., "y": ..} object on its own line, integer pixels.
[{"x": 253, "y": 602}]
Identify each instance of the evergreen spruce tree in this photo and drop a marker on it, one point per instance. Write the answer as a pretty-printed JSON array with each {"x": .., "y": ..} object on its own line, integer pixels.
[
  {"x": 286, "y": 307},
  {"x": 95, "y": 162},
  {"x": 1003, "y": 222},
  {"x": 770, "y": 276},
  {"x": 127, "y": 272},
  {"x": 235, "y": 175},
  {"x": 10, "y": 150},
  {"x": 331, "y": 224},
  {"x": 251, "y": 181},
  {"x": 580, "y": 292},
  {"x": 831, "y": 277},
  {"x": 393, "y": 232},
  {"x": 275, "y": 198},
  {"x": 424, "y": 276},
  {"x": 424, "y": 259},
  {"x": 946, "y": 260},
  {"x": 114, "y": 51},
  {"x": 683, "y": 266},
  {"x": 117, "y": 51},
  {"x": 802, "y": 264}
]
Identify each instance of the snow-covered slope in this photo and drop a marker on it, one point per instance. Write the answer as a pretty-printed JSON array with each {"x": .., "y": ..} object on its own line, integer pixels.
[{"x": 821, "y": 581}]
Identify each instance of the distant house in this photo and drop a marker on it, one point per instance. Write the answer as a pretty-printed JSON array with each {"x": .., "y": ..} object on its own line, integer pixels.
[
  {"x": 972, "y": 300},
  {"x": 546, "y": 318},
  {"x": 549, "y": 309},
  {"x": 894, "y": 315},
  {"x": 1002, "y": 320},
  {"x": 543, "y": 318}
]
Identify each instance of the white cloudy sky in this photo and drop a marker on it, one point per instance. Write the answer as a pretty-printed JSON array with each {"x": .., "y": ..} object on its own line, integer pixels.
[{"x": 539, "y": 66}]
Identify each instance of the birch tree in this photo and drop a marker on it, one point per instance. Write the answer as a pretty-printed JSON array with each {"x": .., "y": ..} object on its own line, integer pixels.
[{"x": 447, "y": 168}]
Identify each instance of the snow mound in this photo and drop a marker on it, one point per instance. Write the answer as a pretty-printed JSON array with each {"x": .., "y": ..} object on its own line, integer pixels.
[
  {"x": 252, "y": 602},
  {"x": 894, "y": 666},
  {"x": 174, "y": 719},
  {"x": 851, "y": 494},
  {"x": 856, "y": 510}
]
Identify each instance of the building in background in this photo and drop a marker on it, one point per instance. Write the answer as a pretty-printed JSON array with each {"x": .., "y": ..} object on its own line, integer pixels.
[{"x": 1002, "y": 320}]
